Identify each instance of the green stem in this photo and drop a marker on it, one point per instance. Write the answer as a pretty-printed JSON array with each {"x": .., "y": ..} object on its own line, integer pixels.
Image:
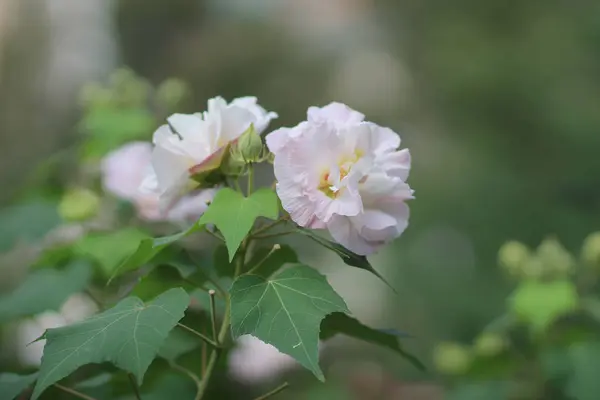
[
  {"x": 213, "y": 315},
  {"x": 250, "y": 179},
  {"x": 190, "y": 374},
  {"x": 261, "y": 262},
  {"x": 269, "y": 226},
  {"x": 271, "y": 235},
  {"x": 222, "y": 336},
  {"x": 203, "y": 337},
  {"x": 273, "y": 392},
  {"x": 73, "y": 392}
]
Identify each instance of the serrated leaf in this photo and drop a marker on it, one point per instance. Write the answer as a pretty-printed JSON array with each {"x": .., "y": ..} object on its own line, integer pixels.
[
  {"x": 541, "y": 303},
  {"x": 348, "y": 257},
  {"x": 12, "y": 385},
  {"x": 341, "y": 323},
  {"x": 285, "y": 311},
  {"x": 109, "y": 249},
  {"x": 45, "y": 289},
  {"x": 149, "y": 248},
  {"x": 177, "y": 344},
  {"x": 235, "y": 214},
  {"x": 128, "y": 335},
  {"x": 270, "y": 263}
]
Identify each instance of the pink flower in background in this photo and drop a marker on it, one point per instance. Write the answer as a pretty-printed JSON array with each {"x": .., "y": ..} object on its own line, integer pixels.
[
  {"x": 339, "y": 172},
  {"x": 195, "y": 143},
  {"x": 253, "y": 361},
  {"x": 123, "y": 171}
]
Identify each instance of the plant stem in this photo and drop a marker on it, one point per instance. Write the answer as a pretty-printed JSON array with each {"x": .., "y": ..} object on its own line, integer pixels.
[
  {"x": 73, "y": 392},
  {"x": 213, "y": 315},
  {"x": 270, "y": 235},
  {"x": 250, "y": 179},
  {"x": 215, "y": 235},
  {"x": 204, "y": 338},
  {"x": 269, "y": 226},
  {"x": 190, "y": 374},
  {"x": 214, "y": 355},
  {"x": 273, "y": 392},
  {"x": 134, "y": 386},
  {"x": 261, "y": 262}
]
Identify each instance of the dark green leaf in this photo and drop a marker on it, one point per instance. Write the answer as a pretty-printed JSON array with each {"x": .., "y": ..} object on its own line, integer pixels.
[
  {"x": 111, "y": 248},
  {"x": 12, "y": 385},
  {"x": 233, "y": 214},
  {"x": 490, "y": 390},
  {"x": 147, "y": 249},
  {"x": 348, "y": 257},
  {"x": 341, "y": 323},
  {"x": 285, "y": 311},
  {"x": 45, "y": 289},
  {"x": 269, "y": 265},
  {"x": 177, "y": 344},
  {"x": 128, "y": 335}
]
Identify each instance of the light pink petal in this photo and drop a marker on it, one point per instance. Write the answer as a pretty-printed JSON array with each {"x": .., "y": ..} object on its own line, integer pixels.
[
  {"x": 123, "y": 169},
  {"x": 344, "y": 232},
  {"x": 335, "y": 112},
  {"x": 396, "y": 163}
]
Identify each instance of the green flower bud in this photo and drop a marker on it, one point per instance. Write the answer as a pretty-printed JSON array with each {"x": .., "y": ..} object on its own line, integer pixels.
[
  {"x": 452, "y": 358},
  {"x": 79, "y": 204},
  {"x": 171, "y": 92},
  {"x": 555, "y": 258},
  {"x": 94, "y": 95},
  {"x": 533, "y": 268},
  {"x": 513, "y": 256},
  {"x": 490, "y": 344},
  {"x": 249, "y": 147},
  {"x": 590, "y": 252}
]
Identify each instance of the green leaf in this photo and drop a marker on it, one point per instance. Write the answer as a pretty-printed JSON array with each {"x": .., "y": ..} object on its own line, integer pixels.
[
  {"x": 233, "y": 214},
  {"x": 285, "y": 311},
  {"x": 45, "y": 289},
  {"x": 177, "y": 344},
  {"x": 149, "y": 248},
  {"x": 541, "y": 303},
  {"x": 348, "y": 257},
  {"x": 270, "y": 263},
  {"x": 341, "y": 323},
  {"x": 221, "y": 263},
  {"x": 12, "y": 385},
  {"x": 583, "y": 383},
  {"x": 28, "y": 222},
  {"x": 128, "y": 335},
  {"x": 111, "y": 248}
]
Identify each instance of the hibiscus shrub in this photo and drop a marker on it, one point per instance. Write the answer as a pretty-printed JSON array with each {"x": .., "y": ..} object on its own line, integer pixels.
[{"x": 216, "y": 271}]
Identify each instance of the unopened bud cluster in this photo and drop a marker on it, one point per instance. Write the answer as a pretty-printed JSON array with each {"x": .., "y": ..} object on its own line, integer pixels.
[{"x": 550, "y": 260}]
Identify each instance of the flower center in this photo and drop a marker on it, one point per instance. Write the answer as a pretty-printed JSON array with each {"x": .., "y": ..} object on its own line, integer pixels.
[{"x": 331, "y": 184}]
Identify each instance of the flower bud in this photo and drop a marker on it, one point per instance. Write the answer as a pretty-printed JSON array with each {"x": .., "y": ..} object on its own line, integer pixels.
[
  {"x": 590, "y": 252},
  {"x": 249, "y": 147},
  {"x": 78, "y": 204},
  {"x": 94, "y": 95},
  {"x": 513, "y": 256},
  {"x": 533, "y": 268},
  {"x": 555, "y": 258},
  {"x": 490, "y": 344},
  {"x": 452, "y": 358}
]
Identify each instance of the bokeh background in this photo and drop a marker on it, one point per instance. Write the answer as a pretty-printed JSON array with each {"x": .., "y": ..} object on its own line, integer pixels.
[{"x": 498, "y": 101}]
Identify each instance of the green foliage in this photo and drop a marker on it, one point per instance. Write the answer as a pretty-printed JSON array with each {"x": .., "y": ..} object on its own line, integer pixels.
[
  {"x": 121, "y": 243},
  {"x": 541, "y": 303},
  {"x": 583, "y": 383},
  {"x": 340, "y": 323},
  {"x": 11, "y": 385},
  {"x": 29, "y": 222},
  {"x": 45, "y": 289},
  {"x": 265, "y": 262},
  {"x": 149, "y": 248},
  {"x": 128, "y": 335},
  {"x": 285, "y": 311},
  {"x": 78, "y": 204},
  {"x": 177, "y": 344},
  {"x": 348, "y": 257},
  {"x": 233, "y": 214}
]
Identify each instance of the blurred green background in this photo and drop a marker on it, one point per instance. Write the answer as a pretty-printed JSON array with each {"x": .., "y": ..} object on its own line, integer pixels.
[{"x": 498, "y": 101}]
